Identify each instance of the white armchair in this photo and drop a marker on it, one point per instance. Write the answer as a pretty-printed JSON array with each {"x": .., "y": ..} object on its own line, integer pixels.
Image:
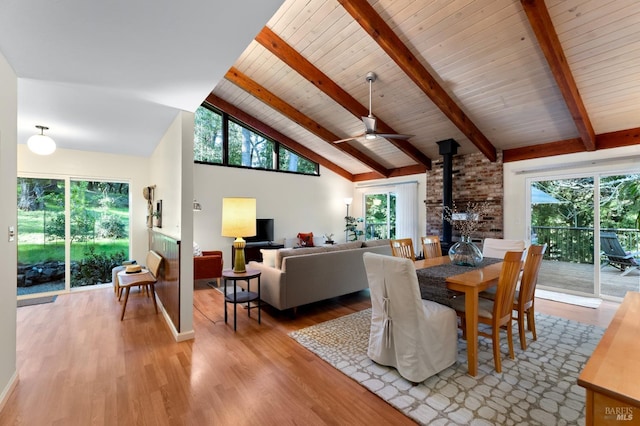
[{"x": 417, "y": 337}]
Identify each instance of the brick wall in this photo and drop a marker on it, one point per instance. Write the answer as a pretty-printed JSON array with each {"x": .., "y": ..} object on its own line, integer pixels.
[{"x": 475, "y": 179}]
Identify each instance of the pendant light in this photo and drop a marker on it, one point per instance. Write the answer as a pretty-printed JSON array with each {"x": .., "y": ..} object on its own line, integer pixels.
[{"x": 41, "y": 144}]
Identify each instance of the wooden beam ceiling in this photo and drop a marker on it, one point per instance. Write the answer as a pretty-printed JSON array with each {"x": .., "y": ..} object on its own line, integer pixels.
[
  {"x": 250, "y": 86},
  {"x": 272, "y": 133},
  {"x": 378, "y": 29},
  {"x": 297, "y": 62},
  {"x": 545, "y": 32}
]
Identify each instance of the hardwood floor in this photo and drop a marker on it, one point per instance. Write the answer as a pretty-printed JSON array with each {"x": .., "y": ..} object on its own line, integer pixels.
[{"x": 78, "y": 364}]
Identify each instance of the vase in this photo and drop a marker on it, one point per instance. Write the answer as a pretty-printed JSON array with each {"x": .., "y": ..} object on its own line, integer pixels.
[{"x": 465, "y": 253}]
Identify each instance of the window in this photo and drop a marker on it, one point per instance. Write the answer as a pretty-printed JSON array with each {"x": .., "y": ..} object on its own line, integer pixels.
[
  {"x": 219, "y": 139},
  {"x": 380, "y": 216}
]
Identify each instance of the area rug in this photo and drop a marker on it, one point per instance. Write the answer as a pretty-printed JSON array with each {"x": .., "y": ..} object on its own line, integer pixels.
[
  {"x": 537, "y": 388},
  {"x": 588, "y": 302},
  {"x": 36, "y": 301}
]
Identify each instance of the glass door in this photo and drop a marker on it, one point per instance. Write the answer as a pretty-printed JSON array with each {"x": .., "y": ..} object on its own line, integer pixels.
[
  {"x": 562, "y": 212},
  {"x": 41, "y": 235},
  {"x": 380, "y": 216},
  {"x": 619, "y": 234}
]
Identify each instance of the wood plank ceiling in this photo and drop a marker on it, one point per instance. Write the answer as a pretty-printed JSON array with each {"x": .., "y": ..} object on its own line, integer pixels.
[{"x": 526, "y": 78}]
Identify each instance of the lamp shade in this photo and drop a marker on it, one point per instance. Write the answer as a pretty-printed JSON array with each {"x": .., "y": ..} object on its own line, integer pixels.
[
  {"x": 238, "y": 217},
  {"x": 41, "y": 144},
  {"x": 348, "y": 200}
]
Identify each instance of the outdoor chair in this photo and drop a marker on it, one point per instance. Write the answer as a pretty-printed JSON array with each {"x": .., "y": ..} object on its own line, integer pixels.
[
  {"x": 418, "y": 337},
  {"x": 403, "y": 247},
  {"x": 616, "y": 256},
  {"x": 497, "y": 313},
  {"x": 431, "y": 246}
]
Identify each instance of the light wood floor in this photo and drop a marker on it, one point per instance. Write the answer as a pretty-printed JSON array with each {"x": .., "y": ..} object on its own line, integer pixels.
[{"x": 79, "y": 365}]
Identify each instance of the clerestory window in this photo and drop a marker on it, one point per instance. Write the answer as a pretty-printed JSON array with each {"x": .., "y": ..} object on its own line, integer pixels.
[{"x": 222, "y": 140}]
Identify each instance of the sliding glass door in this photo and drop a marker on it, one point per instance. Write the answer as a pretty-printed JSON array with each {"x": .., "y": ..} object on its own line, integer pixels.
[
  {"x": 380, "y": 215},
  {"x": 563, "y": 215},
  {"x": 71, "y": 233}
]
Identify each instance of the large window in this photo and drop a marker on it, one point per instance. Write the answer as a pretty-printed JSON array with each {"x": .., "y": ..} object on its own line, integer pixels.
[
  {"x": 380, "y": 216},
  {"x": 221, "y": 140}
]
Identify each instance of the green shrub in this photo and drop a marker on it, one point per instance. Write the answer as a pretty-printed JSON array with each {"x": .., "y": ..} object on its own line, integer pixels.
[
  {"x": 95, "y": 267},
  {"x": 110, "y": 226}
]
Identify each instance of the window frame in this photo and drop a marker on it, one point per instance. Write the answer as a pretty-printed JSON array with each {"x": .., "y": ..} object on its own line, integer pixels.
[{"x": 226, "y": 119}]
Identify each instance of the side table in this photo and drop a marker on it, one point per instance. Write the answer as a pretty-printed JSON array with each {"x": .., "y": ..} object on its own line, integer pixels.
[{"x": 241, "y": 296}]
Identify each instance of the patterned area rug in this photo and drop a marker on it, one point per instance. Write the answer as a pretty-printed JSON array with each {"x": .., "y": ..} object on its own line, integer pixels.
[{"x": 539, "y": 387}]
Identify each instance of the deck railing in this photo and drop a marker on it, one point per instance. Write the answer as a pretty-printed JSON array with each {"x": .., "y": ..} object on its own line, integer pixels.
[{"x": 576, "y": 244}]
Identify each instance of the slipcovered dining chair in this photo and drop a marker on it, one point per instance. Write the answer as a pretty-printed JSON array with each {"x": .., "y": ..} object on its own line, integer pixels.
[
  {"x": 431, "y": 246},
  {"x": 524, "y": 298},
  {"x": 403, "y": 247},
  {"x": 418, "y": 337},
  {"x": 497, "y": 313},
  {"x": 497, "y": 247}
]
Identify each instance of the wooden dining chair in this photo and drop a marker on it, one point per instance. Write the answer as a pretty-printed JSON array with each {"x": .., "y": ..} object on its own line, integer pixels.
[
  {"x": 146, "y": 279},
  {"x": 431, "y": 246},
  {"x": 403, "y": 247},
  {"x": 497, "y": 313},
  {"x": 524, "y": 298}
]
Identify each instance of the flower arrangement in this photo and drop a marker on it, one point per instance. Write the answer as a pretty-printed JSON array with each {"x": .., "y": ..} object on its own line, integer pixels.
[
  {"x": 328, "y": 238},
  {"x": 467, "y": 222}
]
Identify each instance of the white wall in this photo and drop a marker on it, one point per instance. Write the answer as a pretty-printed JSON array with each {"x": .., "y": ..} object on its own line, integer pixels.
[
  {"x": 171, "y": 170},
  {"x": 517, "y": 173},
  {"x": 96, "y": 166},
  {"x": 298, "y": 203},
  {"x": 8, "y": 253}
]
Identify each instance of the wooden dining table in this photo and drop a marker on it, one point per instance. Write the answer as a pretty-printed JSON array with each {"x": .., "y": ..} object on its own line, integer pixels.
[{"x": 470, "y": 283}]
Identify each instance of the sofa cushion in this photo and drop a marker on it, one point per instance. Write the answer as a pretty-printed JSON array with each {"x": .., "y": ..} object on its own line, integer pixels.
[
  {"x": 375, "y": 243},
  {"x": 306, "y": 239},
  {"x": 269, "y": 257}
]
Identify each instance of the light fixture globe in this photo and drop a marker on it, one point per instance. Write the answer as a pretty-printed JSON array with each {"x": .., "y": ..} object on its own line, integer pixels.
[{"x": 41, "y": 144}]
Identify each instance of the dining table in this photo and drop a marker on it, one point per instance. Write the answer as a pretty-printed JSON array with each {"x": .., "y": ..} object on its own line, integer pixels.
[{"x": 469, "y": 283}]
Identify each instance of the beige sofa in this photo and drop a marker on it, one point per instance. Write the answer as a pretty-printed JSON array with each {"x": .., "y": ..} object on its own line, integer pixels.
[{"x": 295, "y": 277}]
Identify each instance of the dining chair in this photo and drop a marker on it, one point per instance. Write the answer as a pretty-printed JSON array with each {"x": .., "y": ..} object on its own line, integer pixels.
[
  {"x": 403, "y": 247},
  {"x": 524, "y": 298},
  {"x": 497, "y": 247},
  {"x": 431, "y": 246},
  {"x": 418, "y": 337},
  {"x": 496, "y": 313},
  {"x": 146, "y": 279}
]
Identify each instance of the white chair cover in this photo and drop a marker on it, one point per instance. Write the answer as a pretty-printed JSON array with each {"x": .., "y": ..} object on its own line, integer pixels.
[
  {"x": 497, "y": 247},
  {"x": 417, "y": 337}
]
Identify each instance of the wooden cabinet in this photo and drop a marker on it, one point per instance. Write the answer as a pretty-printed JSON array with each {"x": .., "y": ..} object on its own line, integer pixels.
[
  {"x": 252, "y": 251},
  {"x": 611, "y": 376}
]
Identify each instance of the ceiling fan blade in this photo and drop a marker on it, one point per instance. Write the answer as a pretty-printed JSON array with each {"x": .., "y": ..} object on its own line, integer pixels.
[
  {"x": 393, "y": 136},
  {"x": 348, "y": 139},
  {"x": 369, "y": 124}
]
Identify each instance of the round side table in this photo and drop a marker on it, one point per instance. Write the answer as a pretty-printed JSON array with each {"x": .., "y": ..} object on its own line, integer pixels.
[{"x": 241, "y": 296}]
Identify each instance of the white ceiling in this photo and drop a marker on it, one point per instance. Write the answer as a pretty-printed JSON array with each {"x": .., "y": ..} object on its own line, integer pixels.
[{"x": 111, "y": 76}]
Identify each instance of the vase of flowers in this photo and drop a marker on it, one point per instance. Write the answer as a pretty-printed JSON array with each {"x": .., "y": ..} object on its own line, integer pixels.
[{"x": 465, "y": 252}]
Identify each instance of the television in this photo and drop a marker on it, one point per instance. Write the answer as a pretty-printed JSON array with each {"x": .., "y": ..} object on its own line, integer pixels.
[{"x": 264, "y": 232}]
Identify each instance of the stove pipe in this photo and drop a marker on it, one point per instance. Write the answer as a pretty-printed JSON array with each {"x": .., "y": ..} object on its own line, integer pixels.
[{"x": 447, "y": 148}]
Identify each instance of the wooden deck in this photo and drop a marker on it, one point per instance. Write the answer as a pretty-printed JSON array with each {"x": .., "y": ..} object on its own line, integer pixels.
[{"x": 578, "y": 278}]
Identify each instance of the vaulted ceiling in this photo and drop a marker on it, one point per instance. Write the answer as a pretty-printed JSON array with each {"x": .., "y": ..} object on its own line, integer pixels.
[{"x": 524, "y": 79}]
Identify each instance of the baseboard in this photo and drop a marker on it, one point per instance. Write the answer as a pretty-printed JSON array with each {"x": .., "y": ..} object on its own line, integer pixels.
[
  {"x": 178, "y": 336},
  {"x": 8, "y": 389}
]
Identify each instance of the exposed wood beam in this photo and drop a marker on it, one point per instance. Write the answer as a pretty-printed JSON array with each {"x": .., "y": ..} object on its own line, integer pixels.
[
  {"x": 603, "y": 141},
  {"x": 545, "y": 32},
  {"x": 272, "y": 133},
  {"x": 400, "y": 171},
  {"x": 252, "y": 87},
  {"x": 273, "y": 43},
  {"x": 617, "y": 139},
  {"x": 569, "y": 146},
  {"x": 382, "y": 33}
]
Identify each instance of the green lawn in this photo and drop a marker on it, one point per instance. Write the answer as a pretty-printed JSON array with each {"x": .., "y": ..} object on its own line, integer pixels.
[{"x": 34, "y": 253}]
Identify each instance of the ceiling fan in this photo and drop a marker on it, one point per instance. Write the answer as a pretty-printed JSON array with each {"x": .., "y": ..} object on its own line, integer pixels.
[{"x": 370, "y": 121}]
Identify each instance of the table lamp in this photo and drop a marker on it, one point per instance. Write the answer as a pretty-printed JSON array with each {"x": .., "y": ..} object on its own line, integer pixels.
[{"x": 239, "y": 220}]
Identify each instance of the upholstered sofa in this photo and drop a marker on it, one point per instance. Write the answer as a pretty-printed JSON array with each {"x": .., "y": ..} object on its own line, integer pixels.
[{"x": 295, "y": 277}]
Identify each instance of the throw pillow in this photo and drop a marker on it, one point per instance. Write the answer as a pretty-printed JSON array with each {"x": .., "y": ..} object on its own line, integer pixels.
[
  {"x": 197, "y": 251},
  {"x": 306, "y": 240},
  {"x": 269, "y": 257}
]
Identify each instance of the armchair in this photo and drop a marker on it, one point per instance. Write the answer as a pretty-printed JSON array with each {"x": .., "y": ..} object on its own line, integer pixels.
[{"x": 208, "y": 266}]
